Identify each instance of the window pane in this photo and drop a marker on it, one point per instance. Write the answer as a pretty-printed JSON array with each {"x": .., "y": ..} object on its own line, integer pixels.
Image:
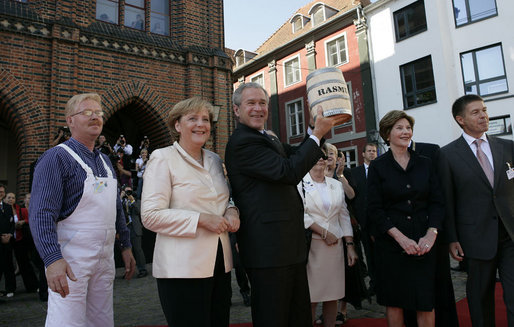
[
  {"x": 493, "y": 87},
  {"x": 424, "y": 76},
  {"x": 342, "y": 50},
  {"x": 319, "y": 15},
  {"x": 134, "y": 18},
  {"x": 459, "y": 10},
  {"x": 410, "y": 20},
  {"x": 297, "y": 24},
  {"x": 468, "y": 67},
  {"x": 159, "y": 24},
  {"x": 416, "y": 18},
  {"x": 418, "y": 82},
  {"x": 490, "y": 63},
  {"x": 107, "y": 11},
  {"x": 137, "y": 3},
  {"x": 160, "y": 6},
  {"x": 408, "y": 79},
  {"x": 480, "y": 9},
  {"x": 401, "y": 25}
]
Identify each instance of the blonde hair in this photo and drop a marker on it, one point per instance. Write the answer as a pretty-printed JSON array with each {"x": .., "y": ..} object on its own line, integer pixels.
[
  {"x": 328, "y": 146},
  {"x": 77, "y": 99},
  {"x": 185, "y": 107},
  {"x": 387, "y": 122}
]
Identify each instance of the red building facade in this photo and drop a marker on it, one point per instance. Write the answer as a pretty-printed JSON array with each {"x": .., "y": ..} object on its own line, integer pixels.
[{"x": 320, "y": 34}]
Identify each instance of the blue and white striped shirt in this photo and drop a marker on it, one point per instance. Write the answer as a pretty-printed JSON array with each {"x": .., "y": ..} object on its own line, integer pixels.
[{"x": 56, "y": 191}]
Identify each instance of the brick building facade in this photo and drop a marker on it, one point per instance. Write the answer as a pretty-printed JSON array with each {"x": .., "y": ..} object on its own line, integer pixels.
[{"x": 51, "y": 50}]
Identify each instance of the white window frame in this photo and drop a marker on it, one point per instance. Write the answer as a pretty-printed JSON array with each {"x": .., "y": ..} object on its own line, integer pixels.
[
  {"x": 346, "y": 151},
  {"x": 322, "y": 6},
  {"x": 300, "y": 111},
  {"x": 261, "y": 75},
  {"x": 299, "y": 70},
  {"x": 327, "y": 60}
]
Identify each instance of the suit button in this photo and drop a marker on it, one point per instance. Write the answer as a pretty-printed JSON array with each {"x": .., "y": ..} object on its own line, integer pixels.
[
  {"x": 408, "y": 202},
  {"x": 408, "y": 217},
  {"x": 408, "y": 185}
]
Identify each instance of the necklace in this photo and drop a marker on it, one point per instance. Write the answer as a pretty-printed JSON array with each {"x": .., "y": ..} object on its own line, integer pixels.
[{"x": 200, "y": 161}]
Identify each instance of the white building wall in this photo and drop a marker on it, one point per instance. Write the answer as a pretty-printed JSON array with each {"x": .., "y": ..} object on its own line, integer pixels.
[{"x": 444, "y": 42}]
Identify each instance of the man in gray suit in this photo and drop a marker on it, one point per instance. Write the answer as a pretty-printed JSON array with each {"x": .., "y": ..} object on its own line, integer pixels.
[{"x": 479, "y": 194}]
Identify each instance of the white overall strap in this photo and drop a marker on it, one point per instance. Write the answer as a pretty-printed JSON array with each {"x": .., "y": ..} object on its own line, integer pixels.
[
  {"x": 109, "y": 171},
  {"x": 77, "y": 158}
]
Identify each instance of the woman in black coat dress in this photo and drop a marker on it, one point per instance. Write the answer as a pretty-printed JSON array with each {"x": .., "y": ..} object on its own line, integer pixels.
[{"x": 405, "y": 208}]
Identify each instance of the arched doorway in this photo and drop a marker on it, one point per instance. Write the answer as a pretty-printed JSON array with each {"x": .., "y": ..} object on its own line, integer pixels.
[
  {"x": 8, "y": 156},
  {"x": 135, "y": 120}
]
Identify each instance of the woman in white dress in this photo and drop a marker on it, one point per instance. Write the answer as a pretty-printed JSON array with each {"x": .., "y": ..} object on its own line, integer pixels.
[{"x": 328, "y": 218}]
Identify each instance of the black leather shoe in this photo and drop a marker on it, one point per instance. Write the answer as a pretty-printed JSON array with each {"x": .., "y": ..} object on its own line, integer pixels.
[{"x": 142, "y": 273}]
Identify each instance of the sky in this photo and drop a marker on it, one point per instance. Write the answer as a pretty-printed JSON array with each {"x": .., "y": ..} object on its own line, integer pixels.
[{"x": 248, "y": 23}]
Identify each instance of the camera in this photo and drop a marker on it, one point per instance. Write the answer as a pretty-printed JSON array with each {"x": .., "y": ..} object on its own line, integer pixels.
[{"x": 128, "y": 192}]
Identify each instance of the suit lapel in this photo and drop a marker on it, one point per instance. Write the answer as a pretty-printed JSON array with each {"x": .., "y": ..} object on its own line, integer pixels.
[
  {"x": 497, "y": 152},
  {"x": 469, "y": 158},
  {"x": 312, "y": 192}
]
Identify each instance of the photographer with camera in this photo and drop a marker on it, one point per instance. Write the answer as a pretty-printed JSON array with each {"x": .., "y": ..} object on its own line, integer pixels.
[
  {"x": 145, "y": 144},
  {"x": 103, "y": 146},
  {"x": 132, "y": 207},
  {"x": 121, "y": 143}
]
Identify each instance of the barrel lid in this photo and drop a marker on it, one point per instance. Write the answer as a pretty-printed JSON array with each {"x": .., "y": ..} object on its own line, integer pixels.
[{"x": 324, "y": 70}]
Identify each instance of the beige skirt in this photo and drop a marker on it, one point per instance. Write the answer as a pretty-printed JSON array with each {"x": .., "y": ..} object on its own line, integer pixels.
[{"x": 325, "y": 271}]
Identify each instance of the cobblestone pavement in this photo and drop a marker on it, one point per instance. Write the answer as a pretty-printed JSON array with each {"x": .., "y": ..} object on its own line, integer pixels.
[{"x": 136, "y": 303}]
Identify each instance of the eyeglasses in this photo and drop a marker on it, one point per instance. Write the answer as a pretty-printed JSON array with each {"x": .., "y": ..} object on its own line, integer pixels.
[{"x": 89, "y": 113}]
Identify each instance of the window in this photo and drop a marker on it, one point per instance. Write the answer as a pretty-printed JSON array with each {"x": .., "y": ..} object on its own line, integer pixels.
[
  {"x": 160, "y": 17},
  {"x": 135, "y": 14},
  {"x": 259, "y": 79},
  {"x": 418, "y": 83},
  {"x": 500, "y": 126},
  {"x": 107, "y": 11},
  {"x": 292, "y": 71},
  {"x": 483, "y": 71},
  {"x": 295, "y": 118},
  {"x": 350, "y": 155},
  {"x": 470, "y": 11},
  {"x": 297, "y": 24},
  {"x": 318, "y": 15},
  {"x": 410, "y": 20},
  {"x": 336, "y": 51}
]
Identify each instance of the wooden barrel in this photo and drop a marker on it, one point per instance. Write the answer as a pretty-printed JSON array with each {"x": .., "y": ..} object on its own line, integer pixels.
[{"x": 327, "y": 88}]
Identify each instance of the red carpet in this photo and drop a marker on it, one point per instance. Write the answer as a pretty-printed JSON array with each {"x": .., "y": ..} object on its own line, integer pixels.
[
  {"x": 462, "y": 312},
  {"x": 501, "y": 310}
]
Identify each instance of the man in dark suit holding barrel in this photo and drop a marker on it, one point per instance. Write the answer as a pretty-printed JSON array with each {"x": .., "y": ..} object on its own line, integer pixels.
[{"x": 271, "y": 237}]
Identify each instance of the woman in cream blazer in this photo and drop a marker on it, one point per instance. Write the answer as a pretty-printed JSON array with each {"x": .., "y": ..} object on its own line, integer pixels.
[
  {"x": 328, "y": 218},
  {"x": 185, "y": 201}
]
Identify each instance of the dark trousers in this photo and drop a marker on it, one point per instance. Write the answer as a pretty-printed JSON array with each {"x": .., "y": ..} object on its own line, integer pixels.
[
  {"x": 197, "y": 302},
  {"x": 280, "y": 296},
  {"x": 369, "y": 250},
  {"x": 481, "y": 284},
  {"x": 22, "y": 251},
  {"x": 240, "y": 272},
  {"x": 7, "y": 267},
  {"x": 137, "y": 249}
]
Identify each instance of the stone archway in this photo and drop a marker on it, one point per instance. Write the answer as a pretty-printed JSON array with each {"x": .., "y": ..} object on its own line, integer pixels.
[{"x": 137, "y": 110}]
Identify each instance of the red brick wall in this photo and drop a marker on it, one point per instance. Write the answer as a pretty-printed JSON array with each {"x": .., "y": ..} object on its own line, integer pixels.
[{"x": 40, "y": 71}]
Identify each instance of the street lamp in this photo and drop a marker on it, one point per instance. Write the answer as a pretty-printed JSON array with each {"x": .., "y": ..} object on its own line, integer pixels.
[{"x": 374, "y": 137}]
